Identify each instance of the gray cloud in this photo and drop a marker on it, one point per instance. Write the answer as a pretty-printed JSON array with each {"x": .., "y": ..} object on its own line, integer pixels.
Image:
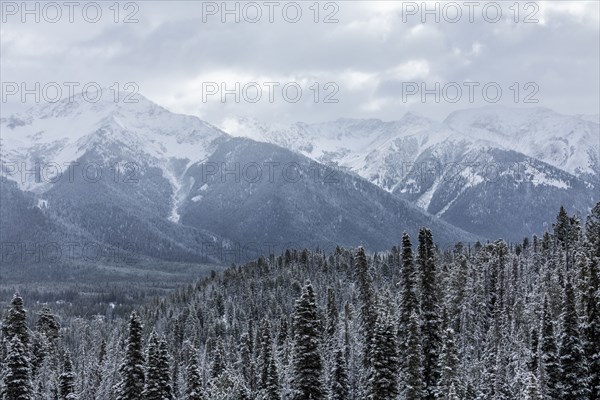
[{"x": 370, "y": 54}]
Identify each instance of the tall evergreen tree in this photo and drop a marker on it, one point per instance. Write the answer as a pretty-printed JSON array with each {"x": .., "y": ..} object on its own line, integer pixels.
[
  {"x": 409, "y": 303},
  {"x": 131, "y": 370},
  {"x": 307, "y": 381},
  {"x": 592, "y": 302},
  {"x": 48, "y": 324},
  {"x": 340, "y": 387},
  {"x": 414, "y": 387},
  {"x": 383, "y": 381},
  {"x": 17, "y": 377},
  {"x": 430, "y": 314},
  {"x": 194, "y": 388},
  {"x": 15, "y": 322},
  {"x": 449, "y": 365},
  {"x": 158, "y": 381},
  {"x": 269, "y": 378},
  {"x": 367, "y": 311},
  {"x": 67, "y": 379},
  {"x": 549, "y": 356},
  {"x": 574, "y": 377}
]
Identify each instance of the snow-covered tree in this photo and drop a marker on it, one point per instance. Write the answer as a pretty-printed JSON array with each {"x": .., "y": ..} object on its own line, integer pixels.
[
  {"x": 307, "y": 378},
  {"x": 132, "y": 369}
]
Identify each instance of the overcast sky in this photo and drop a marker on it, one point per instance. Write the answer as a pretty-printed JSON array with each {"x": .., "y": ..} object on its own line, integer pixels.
[{"x": 373, "y": 57}]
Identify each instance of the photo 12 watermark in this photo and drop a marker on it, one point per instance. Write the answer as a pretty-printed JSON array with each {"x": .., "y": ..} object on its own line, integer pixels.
[
  {"x": 53, "y": 12},
  {"x": 454, "y": 12},
  {"x": 270, "y": 172},
  {"x": 127, "y": 172},
  {"x": 253, "y": 12},
  {"x": 271, "y": 92},
  {"x": 67, "y": 252},
  {"x": 53, "y": 92},
  {"x": 471, "y": 92}
]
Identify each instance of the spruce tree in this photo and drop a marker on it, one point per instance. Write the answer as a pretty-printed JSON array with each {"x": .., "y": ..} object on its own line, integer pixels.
[
  {"x": 15, "y": 322},
  {"x": 67, "y": 379},
  {"x": 532, "y": 390},
  {"x": 449, "y": 365},
  {"x": 409, "y": 302},
  {"x": 307, "y": 381},
  {"x": 48, "y": 324},
  {"x": 414, "y": 388},
  {"x": 164, "y": 367},
  {"x": 366, "y": 297},
  {"x": 574, "y": 377},
  {"x": 430, "y": 314},
  {"x": 194, "y": 389},
  {"x": 549, "y": 356},
  {"x": 272, "y": 389},
  {"x": 131, "y": 370},
  {"x": 592, "y": 302},
  {"x": 340, "y": 387},
  {"x": 158, "y": 381},
  {"x": 17, "y": 377},
  {"x": 219, "y": 360},
  {"x": 383, "y": 381},
  {"x": 269, "y": 378}
]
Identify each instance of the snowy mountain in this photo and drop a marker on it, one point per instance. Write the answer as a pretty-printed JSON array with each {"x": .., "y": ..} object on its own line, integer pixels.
[
  {"x": 477, "y": 169},
  {"x": 112, "y": 173}
]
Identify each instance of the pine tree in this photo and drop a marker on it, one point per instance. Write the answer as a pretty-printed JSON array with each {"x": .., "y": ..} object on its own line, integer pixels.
[
  {"x": 307, "y": 381},
  {"x": 219, "y": 361},
  {"x": 367, "y": 310},
  {"x": 194, "y": 389},
  {"x": 332, "y": 317},
  {"x": 574, "y": 374},
  {"x": 592, "y": 302},
  {"x": 269, "y": 378},
  {"x": 158, "y": 381},
  {"x": 532, "y": 391},
  {"x": 164, "y": 366},
  {"x": 15, "y": 322},
  {"x": 413, "y": 377},
  {"x": 132, "y": 369},
  {"x": 592, "y": 230},
  {"x": 67, "y": 379},
  {"x": 430, "y": 314},
  {"x": 272, "y": 389},
  {"x": 549, "y": 356},
  {"x": 449, "y": 364},
  {"x": 48, "y": 324},
  {"x": 17, "y": 377},
  {"x": 533, "y": 363},
  {"x": 409, "y": 302},
  {"x": 383, "y": 382},
  {"x": 340, "y": 387}
]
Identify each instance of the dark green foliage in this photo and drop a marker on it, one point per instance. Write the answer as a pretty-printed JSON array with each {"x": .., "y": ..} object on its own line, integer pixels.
[
  {"x": 132, "y": 369},
  {"x": 307, "y": 379},
  {"x": 574, "y": 374},
  {"x": 383, "y": 376},
  {"x": 17, "y": 378}
]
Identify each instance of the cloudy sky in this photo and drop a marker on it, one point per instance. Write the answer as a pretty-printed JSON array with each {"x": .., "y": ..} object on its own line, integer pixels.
[{"x": 372, "y": 60}]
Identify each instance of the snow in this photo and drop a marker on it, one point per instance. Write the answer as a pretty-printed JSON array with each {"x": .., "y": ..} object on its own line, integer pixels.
[{"x": 145, "y": 133}]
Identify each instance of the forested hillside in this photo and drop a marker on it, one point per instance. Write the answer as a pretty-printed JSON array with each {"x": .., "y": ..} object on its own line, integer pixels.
[{"x": 477, "y": 321}]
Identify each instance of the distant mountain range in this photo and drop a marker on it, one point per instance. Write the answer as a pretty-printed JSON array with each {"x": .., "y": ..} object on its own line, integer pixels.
[
  {"x": 136, "y": 177},
  {"x": 495, "y": 171}
]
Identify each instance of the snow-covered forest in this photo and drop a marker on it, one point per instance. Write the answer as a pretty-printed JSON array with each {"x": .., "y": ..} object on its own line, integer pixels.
[{"x": 479, "y": 321}]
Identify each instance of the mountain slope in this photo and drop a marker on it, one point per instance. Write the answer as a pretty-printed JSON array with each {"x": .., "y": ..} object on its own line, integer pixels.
[
  {"x": 131, "y": 175},
  {"x": 299, "y": 203},
  {"x": 480, "y": 169}
]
